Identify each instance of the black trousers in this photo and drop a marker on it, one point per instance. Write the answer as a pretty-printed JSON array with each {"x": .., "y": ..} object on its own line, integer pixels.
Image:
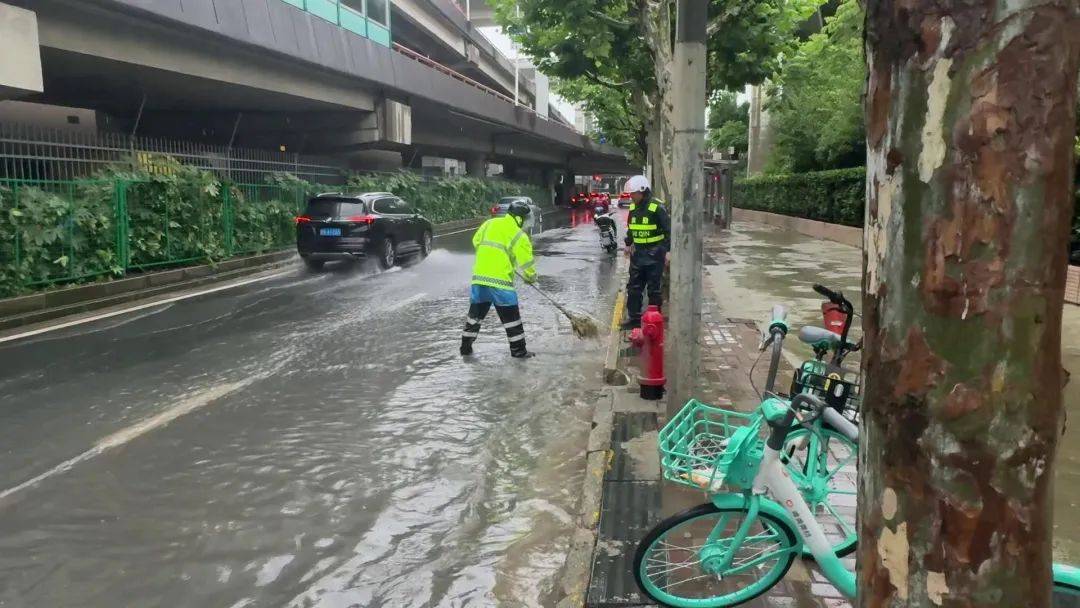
[
  {"x": 510, "y": 316},
  {"x": 648, "y": 276}
]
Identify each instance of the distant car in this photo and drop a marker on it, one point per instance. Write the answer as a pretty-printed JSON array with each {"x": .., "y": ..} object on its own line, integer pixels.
[
  {"x": 624, "y": 199},
  {"x": 338, "y": 226},
  {"x": 534, "y": 224},
  {"x": 580, "y": 200}
]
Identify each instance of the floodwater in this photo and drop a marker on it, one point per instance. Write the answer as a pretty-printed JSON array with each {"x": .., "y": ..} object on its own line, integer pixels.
[
  {"x": 766, "y": 265},
  {"x": 309, "y": 440}
]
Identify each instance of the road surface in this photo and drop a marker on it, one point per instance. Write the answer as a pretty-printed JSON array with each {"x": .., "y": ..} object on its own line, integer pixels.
[{"x": 309, "y": 440}]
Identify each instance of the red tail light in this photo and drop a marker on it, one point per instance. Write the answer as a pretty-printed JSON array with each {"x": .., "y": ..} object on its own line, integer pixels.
[
  {"x": 303, "y": 219},
  {"x": 495, "y": 210},
  {"x": 361, "y": 219}
]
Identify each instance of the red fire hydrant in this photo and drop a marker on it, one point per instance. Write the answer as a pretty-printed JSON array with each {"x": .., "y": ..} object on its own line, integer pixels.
[{"x": 649, "y": 339}]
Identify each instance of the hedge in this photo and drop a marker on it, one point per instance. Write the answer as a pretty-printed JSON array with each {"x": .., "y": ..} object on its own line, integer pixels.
[
  {"x": 450, "y": 198},
  {"x": 117, "y": 221},
  {"x": 836, "y": 197}
]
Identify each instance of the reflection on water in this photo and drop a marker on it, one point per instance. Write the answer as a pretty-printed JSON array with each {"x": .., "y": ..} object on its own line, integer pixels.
[
  {"x": 771, "y": 266},
  {"x": 366, "y": 464}
]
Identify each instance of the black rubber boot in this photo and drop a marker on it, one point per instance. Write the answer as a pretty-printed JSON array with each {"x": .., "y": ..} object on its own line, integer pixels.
[
  {"x": 466, "y": 348},
  {"x": 523, "y": 355}
]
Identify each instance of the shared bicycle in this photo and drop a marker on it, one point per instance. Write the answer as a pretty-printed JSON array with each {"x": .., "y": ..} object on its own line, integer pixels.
[{"x": 770, "y": 476}]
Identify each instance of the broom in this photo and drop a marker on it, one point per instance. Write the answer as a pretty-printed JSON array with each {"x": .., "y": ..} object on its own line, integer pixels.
[{"x": 583, "y": 325}]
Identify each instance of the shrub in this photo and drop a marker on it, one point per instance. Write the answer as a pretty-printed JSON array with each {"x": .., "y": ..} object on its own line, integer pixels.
[
  {"x": 450, "y": 198},
  {"x": 835, "y": 196}
]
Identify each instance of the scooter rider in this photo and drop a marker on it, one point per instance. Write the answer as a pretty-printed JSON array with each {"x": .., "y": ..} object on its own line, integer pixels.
[{"x": 648, "y": 240}]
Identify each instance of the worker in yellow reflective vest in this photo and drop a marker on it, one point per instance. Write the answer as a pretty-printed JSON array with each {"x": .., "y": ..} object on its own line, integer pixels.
[
  {"x": 648, "y": 238},
  {"x": 502, "y": 250}
]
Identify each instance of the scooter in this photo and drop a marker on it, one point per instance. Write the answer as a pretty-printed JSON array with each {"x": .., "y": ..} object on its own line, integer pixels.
[{"x": 605, "y": 224}]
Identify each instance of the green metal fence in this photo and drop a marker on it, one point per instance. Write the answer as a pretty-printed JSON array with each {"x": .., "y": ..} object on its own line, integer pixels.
[{"x": 66, "y": 231}]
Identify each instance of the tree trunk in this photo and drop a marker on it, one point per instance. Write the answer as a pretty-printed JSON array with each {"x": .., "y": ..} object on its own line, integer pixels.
[
  {"x": 970, "y": 118},
  {"x": 657, "y": 20}
]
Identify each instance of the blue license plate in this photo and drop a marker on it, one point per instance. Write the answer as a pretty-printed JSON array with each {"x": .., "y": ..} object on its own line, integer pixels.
[{"x": 329, "y": 231}]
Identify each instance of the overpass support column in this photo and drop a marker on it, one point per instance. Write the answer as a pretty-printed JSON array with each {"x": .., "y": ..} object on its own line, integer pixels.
[
  {"x": 476, "y": 166},
  {"x": 20, "y": 61},
  {"x": 547, "y": 179}
]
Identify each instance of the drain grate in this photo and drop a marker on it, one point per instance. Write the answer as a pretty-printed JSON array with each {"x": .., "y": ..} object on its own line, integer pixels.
[
  {"x": 630, "y": 510},
  {"x": 624, "y": 466}
]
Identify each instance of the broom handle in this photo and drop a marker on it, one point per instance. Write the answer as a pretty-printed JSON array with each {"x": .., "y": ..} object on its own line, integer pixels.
[{"x": 547, "y": 296}]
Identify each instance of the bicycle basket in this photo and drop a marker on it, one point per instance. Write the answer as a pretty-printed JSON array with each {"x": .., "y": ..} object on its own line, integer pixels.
[
  {"x": 838, "y": 387},
  {"x": 706, "y": 447}
]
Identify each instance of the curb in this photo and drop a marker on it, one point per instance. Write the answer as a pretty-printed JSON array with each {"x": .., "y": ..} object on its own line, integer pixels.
[
  {"x": 32, "y": 309},
  {"x": 26, "y": 310},
  {"x": 573, "y": 583}
]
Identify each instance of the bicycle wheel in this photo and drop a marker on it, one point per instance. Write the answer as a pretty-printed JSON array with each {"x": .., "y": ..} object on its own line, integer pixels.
[
  {"x": 826, "y": 480},
  {"x": 677, "y": 562},
  {"x": 1066, "y": 587}
]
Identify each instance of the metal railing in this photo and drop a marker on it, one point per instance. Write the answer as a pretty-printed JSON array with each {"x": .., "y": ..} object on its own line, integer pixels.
[
  {"x": 62, "y": 231},
  {"x": 431, "y": 63},
  {"x": 29, "y": 152}
]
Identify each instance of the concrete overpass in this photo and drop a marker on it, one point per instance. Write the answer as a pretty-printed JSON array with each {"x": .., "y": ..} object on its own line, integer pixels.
[{"x": 268, "y": 73}]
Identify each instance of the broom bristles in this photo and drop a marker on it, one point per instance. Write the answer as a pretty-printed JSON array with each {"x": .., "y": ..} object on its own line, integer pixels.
[{"x": 584, "y": 326}]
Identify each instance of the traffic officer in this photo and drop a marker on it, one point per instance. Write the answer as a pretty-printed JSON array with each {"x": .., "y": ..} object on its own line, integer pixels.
[
  {"x": 648, "y": 238},
  {"x": 502, "y": 250}
]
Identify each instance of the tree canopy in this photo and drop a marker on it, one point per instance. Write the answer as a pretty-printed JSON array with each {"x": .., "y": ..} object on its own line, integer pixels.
[
  {"x": 816, "y": 99},
  {"x": 729, "y": 123},
  {"x": 610, "y": 54}
]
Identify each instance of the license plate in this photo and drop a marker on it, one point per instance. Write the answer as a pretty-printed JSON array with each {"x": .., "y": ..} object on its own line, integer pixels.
[{"x": 329, "y": 231}]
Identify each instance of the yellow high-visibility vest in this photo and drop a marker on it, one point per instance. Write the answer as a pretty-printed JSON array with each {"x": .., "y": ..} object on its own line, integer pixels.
[
  {"x": 643, "y": 226},
  {"x": 501, "y": 248}
]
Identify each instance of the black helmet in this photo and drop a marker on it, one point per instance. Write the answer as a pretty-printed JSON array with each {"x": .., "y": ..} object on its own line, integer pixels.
[{"x": 518, "y": 209}]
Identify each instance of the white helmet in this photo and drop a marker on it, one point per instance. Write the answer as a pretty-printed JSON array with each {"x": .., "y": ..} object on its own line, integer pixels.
[{"x": 638, "y": 183}]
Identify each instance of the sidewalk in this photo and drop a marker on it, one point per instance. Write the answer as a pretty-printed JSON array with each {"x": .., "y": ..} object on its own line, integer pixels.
[{"x": 634, "y": 498}]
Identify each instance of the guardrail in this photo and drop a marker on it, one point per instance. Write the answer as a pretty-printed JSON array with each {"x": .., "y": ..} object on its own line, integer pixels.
[{"x": 435, "y": 65}]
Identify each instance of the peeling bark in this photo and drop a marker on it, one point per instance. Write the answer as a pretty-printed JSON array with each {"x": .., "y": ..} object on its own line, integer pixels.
[{"x": 970, "y": 111}]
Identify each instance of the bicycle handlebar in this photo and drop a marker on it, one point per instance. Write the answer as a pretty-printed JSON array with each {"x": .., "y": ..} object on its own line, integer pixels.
[
  {"x": 829, "y": 294},
  {"x": 815, "y": 403}
]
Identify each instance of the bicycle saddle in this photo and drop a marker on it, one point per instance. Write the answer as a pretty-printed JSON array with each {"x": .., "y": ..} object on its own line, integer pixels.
[{"x": 816, "y": 335}]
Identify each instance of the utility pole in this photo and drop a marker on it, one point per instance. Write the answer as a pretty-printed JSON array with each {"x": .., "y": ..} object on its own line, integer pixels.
[
  {"x": 970, "y": 121},
  {"x": 688, "y": 183}
]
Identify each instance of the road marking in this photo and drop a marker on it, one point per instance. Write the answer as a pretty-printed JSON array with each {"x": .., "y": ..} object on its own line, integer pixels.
[
  {"x": 129, "y": 434},
  {"x": 137, "y": 307},
  {"x": 456, "y": 232}
]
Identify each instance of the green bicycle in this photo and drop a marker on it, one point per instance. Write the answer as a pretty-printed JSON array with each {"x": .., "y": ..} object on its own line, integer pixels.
[
  {"x": 821, "y": 455},
  {"x": 740, "y": 544}
]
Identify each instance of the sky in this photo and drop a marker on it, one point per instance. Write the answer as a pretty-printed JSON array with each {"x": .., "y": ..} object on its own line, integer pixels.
[{"x": 506, "y": 46}]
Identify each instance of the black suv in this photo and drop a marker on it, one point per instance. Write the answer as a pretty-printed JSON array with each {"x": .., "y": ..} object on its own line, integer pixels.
[{"x": 339, "y": 226}]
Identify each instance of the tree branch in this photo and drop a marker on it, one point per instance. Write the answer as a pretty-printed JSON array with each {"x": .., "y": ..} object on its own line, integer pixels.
[{"x": 613, "y": 22}]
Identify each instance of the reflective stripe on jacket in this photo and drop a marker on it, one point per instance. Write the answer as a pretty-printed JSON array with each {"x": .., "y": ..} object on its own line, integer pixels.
[
  {"x": 501, "y": 248},
  {"x": 643, "y": 224}
]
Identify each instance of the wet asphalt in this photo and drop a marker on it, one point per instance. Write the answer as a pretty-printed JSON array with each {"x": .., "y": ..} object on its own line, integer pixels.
[{"x": 309, "y": 440}]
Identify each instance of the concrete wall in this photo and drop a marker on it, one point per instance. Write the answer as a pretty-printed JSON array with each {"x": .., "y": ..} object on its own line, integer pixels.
[
  {"x": 20, "y": 58},
  {"x": 821, "y": 230}
]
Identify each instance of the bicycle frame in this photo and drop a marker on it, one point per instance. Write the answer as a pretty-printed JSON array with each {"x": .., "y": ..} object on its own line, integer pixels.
[{"x": 788, "y": 502}]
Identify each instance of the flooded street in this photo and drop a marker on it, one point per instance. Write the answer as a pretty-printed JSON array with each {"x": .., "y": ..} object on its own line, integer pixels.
[
  {"x": 309, "y": 440},
  {"x": 767, "y": 265}
]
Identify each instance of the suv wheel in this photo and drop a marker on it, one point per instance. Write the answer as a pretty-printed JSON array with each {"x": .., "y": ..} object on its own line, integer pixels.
[
  {"x": 425, "y": 244},
  {"x": 387, "y": 254}
]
